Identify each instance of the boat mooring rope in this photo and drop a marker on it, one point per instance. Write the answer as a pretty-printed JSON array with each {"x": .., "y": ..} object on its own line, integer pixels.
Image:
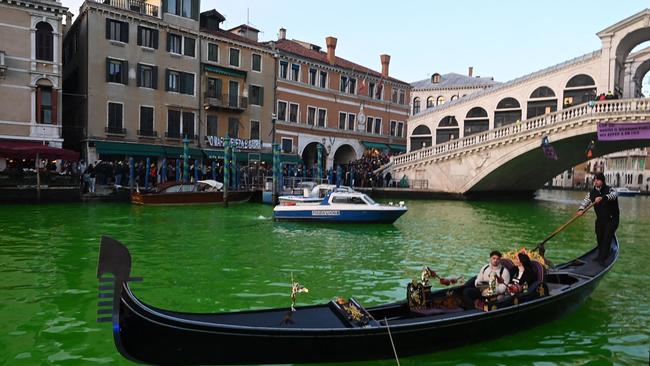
[{"x": 391, "y": 341}]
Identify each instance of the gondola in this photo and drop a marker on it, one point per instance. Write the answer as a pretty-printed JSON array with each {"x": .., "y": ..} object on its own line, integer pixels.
[
  {"x": 337, "y": 331},
  {"x": 179, "y": 193}
]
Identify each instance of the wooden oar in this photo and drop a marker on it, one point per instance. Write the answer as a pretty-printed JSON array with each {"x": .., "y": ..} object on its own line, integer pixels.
[{"x": 540, "y": 246}]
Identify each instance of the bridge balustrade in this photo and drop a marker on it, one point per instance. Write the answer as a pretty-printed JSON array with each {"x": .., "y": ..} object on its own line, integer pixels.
[{"x": 601, "y": 107}]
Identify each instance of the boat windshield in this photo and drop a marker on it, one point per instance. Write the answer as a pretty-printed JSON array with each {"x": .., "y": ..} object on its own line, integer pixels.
[{"x": 370, "y": 200}]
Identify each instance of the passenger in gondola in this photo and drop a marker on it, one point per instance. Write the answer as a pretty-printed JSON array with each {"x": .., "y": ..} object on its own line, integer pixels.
[
  {"x": 490, "y": 281},
  {"x": 523, "y": 274}
]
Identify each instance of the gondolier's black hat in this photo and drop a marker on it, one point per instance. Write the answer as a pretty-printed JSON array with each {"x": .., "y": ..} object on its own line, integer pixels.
[{"x": 600, "y": 176}]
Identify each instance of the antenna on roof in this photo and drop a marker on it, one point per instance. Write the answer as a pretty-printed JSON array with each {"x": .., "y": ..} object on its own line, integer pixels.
[{"x": 248, "y": 18}]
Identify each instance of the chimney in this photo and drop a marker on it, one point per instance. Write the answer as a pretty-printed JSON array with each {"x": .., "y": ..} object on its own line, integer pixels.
[
  {"x": 331, "y": 50},
  {"x": 470, "y": 72},
  {"x": 385, "y": 62},
  {"x": 282, "y": 34}
]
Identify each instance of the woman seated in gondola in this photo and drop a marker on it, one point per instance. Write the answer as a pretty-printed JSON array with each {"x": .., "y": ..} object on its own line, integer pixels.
[{"x": 523, "y": 274}]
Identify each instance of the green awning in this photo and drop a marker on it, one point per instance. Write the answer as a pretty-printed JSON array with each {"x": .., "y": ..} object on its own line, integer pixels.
[
  {"x": 395, "y": 147},
  {"x": 174, "y": 152},
  {"x": 253, "y": 155},
  {"x": 128, "y": 149},
  {"x": 375, "y": 145},
  {"x": 213, "y": 154},
  {"x": 225, "y": 71}
]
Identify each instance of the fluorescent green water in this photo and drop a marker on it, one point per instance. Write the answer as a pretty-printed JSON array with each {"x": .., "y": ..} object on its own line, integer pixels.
[{"x": 215, "y": 259}]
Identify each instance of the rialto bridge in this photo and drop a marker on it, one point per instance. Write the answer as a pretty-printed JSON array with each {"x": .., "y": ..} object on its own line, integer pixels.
[{"x": 490, "y": 141}]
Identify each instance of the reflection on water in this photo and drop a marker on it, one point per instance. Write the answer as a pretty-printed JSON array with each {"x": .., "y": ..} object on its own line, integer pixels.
[{"x": 215, "y": 259}]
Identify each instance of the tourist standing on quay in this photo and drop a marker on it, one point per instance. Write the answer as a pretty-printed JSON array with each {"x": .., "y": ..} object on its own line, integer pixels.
[{"x": 605, "y": 201}]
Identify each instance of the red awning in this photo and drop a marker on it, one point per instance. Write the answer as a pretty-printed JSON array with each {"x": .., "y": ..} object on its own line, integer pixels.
[{"x": 28, "y": 150}]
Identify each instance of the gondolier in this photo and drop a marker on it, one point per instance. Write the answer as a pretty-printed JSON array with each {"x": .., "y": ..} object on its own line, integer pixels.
[{"x": 605, "y": 199}]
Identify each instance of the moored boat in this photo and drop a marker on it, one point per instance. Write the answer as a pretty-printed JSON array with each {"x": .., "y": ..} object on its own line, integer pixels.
[
  {"x": 179, "y": 193},
  {"x": 626, "y": 192},
  {"x": 311, "y": 194},
  {"x": 341, "y": 206},
  {"x": 341, "y": 330}
]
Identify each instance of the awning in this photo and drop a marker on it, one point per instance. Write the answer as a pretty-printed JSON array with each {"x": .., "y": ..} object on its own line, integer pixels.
[
  {"x": 398, "y": 148},
  {"x": 246, "y": 155},
  {"x": 175, "y": 152},
  {"x": 375, "y": 145},
  {"x": 28, "y": 150},
  {"x": 128, "y": 149},
  {"x": 225, "y": 71}
]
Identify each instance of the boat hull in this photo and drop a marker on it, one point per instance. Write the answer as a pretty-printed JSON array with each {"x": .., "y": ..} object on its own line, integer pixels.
[
  {"x": 324, "y": 214},
  {"x": 184, "y": 198}
]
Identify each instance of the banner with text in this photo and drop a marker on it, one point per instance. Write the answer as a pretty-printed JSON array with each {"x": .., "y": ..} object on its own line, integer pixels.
[
  {"x": 623, "y": 131},
  {"x": 243, "y": 144}
]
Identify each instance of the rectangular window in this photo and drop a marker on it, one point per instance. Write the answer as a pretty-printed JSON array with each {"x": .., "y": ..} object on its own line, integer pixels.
[
  {"x": 352, "y": 86},
  {"x": 117, "y": 31},
  {"x": 377, "y": 126},
  {"x": 214, "y": 88},
  {"x": 173, "y": 81},
  {"x": 213, "y": 52},
  {"x": 117, "y": 71},
  {"x": 393, "y": 97},
  {"x": 233, "y": 93},
  {"x": 323, "y": 79},
  {"x": 351, "y": 119},
  {"x": 282, "y": 111},
  {"x": 234, "y": 57},
  {"x": 147, "y": 37},
  {"x": 295, "y": 72},
  {"x": 287, "y": 145},
  {"x": 187, "y": 8},
  {"x": 283, "y": 69},
  {"x": 174, "y": 43},
  {"x": 189, "y": 47},
  {"x": 342, "y": 119},
  {"x": 188, "y": 125},
  {"x": 256, "y": 62},
  {"x": 173, "y": 124},
  {"x": 322, "y": 117},
  {"x": 233, "y": 127},
  {"x": 369, "y": 122},
  {"x": 46, "y": 105},
  {"x": 255, "y": 130},
  {"x": 115, "y": 117},
  {"x": 173, "y": 7},
  {"x": 402, "y": 95},
  {"x": 212, "y": 129},
  {"x": 400, "y": 129},
  {"x": 311, "y": 115},
  {"x": 293, "y": 112},
  {"x": 371, "y": 90},
  {"x": 147, "y": 76},
  {"x": 146, "y": 121},
  {"x": 312, "y": 76},
  {"x": 393, "y": 128},
  {"x": 256, "y": 95},
  {"x": 344, "y": 84}
]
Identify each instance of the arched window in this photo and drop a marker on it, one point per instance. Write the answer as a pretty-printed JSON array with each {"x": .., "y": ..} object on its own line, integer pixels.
[
  {"x": 420, "y": 137},
  {"x": 476, "y": 121},
  {"x": 416, "y": 105},
  {"x": 440, "y": 100},
  {"x": 447, "y": 130},
  {"x": 508, "y": 111},
  {"x": 579, "y": 89},
  {"x": 430, "y": 102},
  {"x": 44, "y": 42},
  {"x": 454, "y": 97},
  {"x": 640, "y": 181},
  {"x": 542, "y": 101}
]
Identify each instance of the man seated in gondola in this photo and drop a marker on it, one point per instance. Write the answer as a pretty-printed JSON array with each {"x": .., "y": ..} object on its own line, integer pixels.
[{"x": 491, "y": 281}]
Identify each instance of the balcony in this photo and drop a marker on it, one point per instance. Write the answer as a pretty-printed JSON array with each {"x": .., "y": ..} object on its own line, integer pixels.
[
  {"x": 138, "y": 6},
  {"x": 113, "y": 130},
  {"x": 179, "y": 136},
  {"x": 148, "y": 133},
  {"x": 230, "y": 102}
]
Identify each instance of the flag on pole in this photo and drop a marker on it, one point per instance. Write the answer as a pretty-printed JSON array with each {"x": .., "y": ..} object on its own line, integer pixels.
[
  {"x": 363, "y": 85},
  {"x": 549, "y": 151}
]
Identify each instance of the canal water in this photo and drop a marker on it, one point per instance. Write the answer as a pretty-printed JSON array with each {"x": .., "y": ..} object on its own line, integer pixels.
[{"x": 208, "y": 259}]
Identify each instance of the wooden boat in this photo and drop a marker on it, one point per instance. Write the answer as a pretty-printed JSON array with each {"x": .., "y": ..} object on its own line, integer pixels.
[
  {"x": 179, "y": 193},
  {"x": 336, "y": 331},
  {"x": 340, "y": 205}
]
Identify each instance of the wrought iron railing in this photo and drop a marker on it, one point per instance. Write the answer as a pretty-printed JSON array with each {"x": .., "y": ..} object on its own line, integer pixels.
[
  {"x": 138, "y": 6},
  {"x": 148, "y": 133},
  {"x": 228, "y": 101},
  {"x": 616, "y": 106}
]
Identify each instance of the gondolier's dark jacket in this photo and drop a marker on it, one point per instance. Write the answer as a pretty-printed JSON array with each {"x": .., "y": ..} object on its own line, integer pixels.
[{"x": 608, "y": 208}]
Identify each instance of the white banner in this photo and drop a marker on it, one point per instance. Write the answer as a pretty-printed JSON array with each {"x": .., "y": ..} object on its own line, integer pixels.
[{"x": 244, "y": 144}]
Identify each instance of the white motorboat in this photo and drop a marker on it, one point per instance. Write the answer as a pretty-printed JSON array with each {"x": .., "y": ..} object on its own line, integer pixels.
[{"x": 312, "y": 194}]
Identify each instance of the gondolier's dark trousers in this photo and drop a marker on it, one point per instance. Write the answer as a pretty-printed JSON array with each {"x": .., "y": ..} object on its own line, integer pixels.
[{"x": 605, "y": 229}]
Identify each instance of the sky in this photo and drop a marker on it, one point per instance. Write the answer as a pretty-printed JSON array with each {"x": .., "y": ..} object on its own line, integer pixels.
[{"x": 503, "y": 39}]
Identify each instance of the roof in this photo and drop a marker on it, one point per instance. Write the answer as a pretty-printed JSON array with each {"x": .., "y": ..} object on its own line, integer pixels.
[
  {"x": 233, "y": 36},
  {"x": 296, "y": 48},
  {"x": 513, "y": 82},
  {"x": 214, "y": 14},
  {"x": 244, "y": 26},
  {"x": 453, "y": 80}
]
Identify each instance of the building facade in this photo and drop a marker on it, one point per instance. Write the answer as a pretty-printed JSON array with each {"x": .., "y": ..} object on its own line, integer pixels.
[
  {"x": 346, "y": 108},
  {"x": 31, "y": 34}
]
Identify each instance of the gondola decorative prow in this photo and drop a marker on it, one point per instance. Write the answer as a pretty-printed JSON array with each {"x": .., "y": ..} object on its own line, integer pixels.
[{"x": 114, "y": 259}]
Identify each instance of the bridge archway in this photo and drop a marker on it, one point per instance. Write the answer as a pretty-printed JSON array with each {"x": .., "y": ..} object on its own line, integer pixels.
[
  {"x": 447, "y": 130},
  {"x": 579, "y": 89},
  {"x": 310, "y": 154},
  {"x": 476, "y": 121},
  {"x": 344, "y": 154},
  {"x": 420, "y": 137},
  {"x": 542, "y": 101},
  {"x": 508, "y": 111}
]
